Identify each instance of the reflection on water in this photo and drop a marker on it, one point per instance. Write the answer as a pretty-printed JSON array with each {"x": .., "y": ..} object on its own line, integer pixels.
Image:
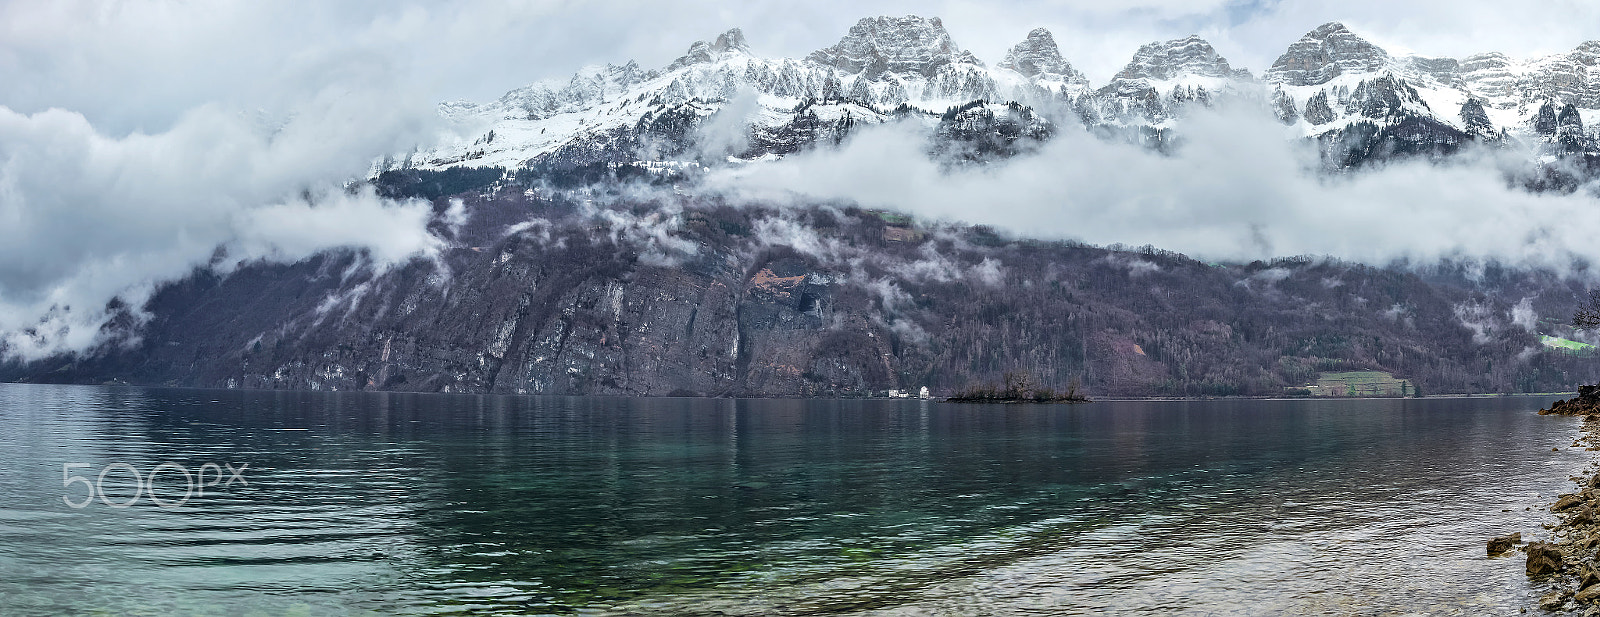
[{"x": 378, "y": 503}]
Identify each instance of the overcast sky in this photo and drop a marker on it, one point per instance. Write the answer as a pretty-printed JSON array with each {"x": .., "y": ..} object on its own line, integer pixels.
[{"x": 130, "y": 66}]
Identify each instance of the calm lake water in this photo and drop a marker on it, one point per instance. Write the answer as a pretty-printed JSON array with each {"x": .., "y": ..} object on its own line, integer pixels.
[{"x": 371, "y": 503}]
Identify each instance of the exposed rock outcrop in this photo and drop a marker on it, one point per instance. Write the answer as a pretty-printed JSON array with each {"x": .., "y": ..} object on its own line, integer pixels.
[
  {"x": 1038, "y": 57},
  {"x": 1504, "y": 544},
  {"x": 1317, "y": 109},
  {"x": 876, "y": 46},
  {"x": 1325, "y": 53},
  {"x": 702, "y": 52},
  {"x": 1166, "y": 60},
  {"x": 1585, "y": 404},
  {"x": 1475, "y": 120},
  {"x": 1544, "y": 559}
]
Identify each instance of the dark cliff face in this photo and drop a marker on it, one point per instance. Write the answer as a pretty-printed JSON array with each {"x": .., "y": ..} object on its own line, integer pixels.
[
  {"x": 667, "y": 295},
  {"x": 978, "y": 132}
]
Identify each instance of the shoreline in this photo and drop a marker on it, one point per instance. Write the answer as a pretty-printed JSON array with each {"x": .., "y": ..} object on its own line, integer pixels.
[
  {"x": 1567, "y": 564},
  {"x": 818, "y": 398}
]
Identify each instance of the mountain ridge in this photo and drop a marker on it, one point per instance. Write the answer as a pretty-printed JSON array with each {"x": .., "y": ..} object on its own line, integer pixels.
[{"x": 912, "y": 64}]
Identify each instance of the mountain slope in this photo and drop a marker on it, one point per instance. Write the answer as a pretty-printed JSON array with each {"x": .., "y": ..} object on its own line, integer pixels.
[{"x": 550, "y": 293}]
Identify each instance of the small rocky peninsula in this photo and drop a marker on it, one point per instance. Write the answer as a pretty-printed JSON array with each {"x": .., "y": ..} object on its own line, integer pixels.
[{"x": 1569, "y": 562}]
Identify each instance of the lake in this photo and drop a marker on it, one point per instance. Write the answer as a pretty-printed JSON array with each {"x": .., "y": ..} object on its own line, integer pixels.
[{"x": 321, "y": 503}]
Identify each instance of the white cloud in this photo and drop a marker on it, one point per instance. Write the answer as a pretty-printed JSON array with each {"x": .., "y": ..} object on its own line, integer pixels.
[
  {"x": 1135, "y": 266},
  {"x": 728, "y": 133},
  {"x": 1238, "y": 189},
  {"x": 85, "y": 217},
  {"x": 1478, "y": 318},
  {"x": 1523, "y": 315}
]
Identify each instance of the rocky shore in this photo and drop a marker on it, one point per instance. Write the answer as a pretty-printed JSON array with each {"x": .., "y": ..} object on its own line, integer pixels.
[{"x": 1569, "y": 562}]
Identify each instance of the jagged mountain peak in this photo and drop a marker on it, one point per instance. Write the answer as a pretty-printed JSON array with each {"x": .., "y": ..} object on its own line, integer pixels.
[
  {"x": 1328, "y": 81},
  {"x": 702, "y": 52},
  {"x": 1324, "y": 53},
  {"x": 1039, "y": 57},
  {"x": 907, "y": 45},
  {"x": 1163, "y": 60},
  {"x": 732, "y": 39}
]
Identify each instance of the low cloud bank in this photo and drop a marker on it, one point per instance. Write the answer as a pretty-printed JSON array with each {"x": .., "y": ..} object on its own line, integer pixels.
[
  {"x": 86, "y": 218},
  {"x": 1238, "y": 188}
]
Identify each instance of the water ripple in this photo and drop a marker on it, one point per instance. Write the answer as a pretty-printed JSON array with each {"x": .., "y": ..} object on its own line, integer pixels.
[{"x": 426, "y": 504}]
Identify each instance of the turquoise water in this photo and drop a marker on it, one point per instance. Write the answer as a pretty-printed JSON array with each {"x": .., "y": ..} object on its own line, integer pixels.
[{"x": 372, "y": 503}]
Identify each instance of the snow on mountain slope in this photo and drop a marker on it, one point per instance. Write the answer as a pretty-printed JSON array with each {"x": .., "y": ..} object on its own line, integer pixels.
[
  {"x": 1164, "y": 77},
  {"x": 721, "y": 100},
  {"x": 1034, "y": 72},
  {"x": 1336, "y": 78},
  {"x": 879, "y": 65}
]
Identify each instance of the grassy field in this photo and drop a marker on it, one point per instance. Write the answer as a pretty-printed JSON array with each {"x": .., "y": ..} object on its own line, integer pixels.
[
  {"x": 1567, "y": 345},
  {"x": 1361, "y": 383}
]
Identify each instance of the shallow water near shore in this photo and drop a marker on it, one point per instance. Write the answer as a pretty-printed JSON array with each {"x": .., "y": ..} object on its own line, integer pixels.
[{"x": 373, "y": 503}]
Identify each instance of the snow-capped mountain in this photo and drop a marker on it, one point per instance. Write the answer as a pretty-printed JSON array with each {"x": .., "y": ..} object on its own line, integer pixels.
[
  {"x": 1331, "y": 79},
  {"x": 1038, "y": 58},
  {"x": 1163, "y": 78},
  {"x": 721, "y": 101},
  {"x": 883, "y": 68}
]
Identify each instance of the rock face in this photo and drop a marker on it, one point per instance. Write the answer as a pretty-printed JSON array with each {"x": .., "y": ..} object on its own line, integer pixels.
[
  {"x": 1491, "y": 75},
  {"x": 1544, "y": 559},
  {"x": 1586, "y": 403},
  {"x": 1163, "y": 78},
  {"x": 1441, "y": 71},
  {"x": 1475, "y": 120},
  {"x": 1566, "y": 501},
  {"x": 985, "y": 132},
  {"x": 1283, "y": 107},
  {"x": 1544, "y": 123},
  {"x": 1569, "y": 130},
  {"x": 1167, "y": 60},
  {"x": 1568, "y": 78},
  {"x": 1504, "y": 544},
  {"x": 1555, "y": 600},
  {"x": 876, "y": 46},
  {"x": 702, "y": 52},
  {"x": 1325, "y": 53},
  {"x": 1038, "y": 57},
  {"x": 1317, "y": 109},
  {"x": 1387, "y": 99}
]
